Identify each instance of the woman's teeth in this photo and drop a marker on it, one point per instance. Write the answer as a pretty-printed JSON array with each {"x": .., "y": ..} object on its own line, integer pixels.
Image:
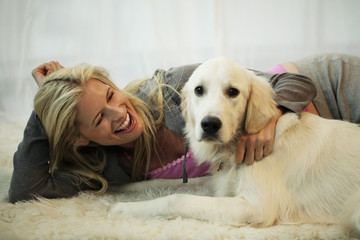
[{"x": 124, "y": 124}]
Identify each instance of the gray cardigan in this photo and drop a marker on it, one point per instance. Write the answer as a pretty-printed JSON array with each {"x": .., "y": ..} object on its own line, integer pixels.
[{"x": 31, "y": 169}]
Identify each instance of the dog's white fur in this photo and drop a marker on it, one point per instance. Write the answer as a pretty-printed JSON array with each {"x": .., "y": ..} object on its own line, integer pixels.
[{"x": 312, "y": 175}]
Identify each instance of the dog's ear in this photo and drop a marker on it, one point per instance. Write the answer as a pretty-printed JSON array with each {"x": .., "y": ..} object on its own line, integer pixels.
[{"x": 261, "y": 105}]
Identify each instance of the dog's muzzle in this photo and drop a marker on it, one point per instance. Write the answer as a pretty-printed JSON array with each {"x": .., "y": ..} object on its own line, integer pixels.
[{"x": 210, "y": 126}]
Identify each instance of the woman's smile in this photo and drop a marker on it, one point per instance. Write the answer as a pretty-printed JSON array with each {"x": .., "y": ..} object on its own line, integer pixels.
[{"x": 127, "y": 125}]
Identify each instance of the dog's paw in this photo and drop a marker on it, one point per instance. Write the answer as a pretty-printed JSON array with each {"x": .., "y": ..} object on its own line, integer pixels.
[
  {"x": 120, "y": 208},
  {"x": 135, "y": 209}
]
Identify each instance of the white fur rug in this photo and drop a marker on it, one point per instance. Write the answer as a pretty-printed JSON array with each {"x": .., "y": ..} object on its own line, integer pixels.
[{"x": 85, "y": 216}]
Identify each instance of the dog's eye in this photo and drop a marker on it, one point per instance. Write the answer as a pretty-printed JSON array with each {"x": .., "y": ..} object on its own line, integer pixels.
[
  {"x": 233, "y": 92},
  {"x": 199, "y": 91}
]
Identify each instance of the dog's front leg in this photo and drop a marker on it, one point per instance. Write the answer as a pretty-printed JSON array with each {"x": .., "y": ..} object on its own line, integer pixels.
[{"x": 233, "y": 211}]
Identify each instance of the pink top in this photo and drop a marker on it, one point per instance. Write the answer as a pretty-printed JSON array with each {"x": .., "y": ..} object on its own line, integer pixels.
[
  {"x": 276, "y": 70},
  {"x": 174, "y": 169}
]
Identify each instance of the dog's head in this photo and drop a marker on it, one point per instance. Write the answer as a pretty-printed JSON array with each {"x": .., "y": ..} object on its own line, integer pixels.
[{"x": 222, "y": 98}]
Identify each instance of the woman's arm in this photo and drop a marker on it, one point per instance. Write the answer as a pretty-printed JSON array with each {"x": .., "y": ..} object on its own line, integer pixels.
[
  {"x": 31, "y": 175},
  {"x": 293, "y": 93}
]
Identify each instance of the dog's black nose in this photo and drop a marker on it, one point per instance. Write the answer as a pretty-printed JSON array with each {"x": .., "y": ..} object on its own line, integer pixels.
[{"x": 211, "y": 125}]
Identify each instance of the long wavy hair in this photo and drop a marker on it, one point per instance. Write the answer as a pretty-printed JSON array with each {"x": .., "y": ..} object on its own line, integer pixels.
[{"x": 55, "y": 104}]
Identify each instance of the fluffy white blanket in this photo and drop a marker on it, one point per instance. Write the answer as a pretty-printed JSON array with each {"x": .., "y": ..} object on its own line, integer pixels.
[{"x": 85, "y": 216}]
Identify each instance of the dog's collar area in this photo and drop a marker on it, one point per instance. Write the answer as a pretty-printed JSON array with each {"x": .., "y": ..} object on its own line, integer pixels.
[{"x": 185, "y": 176}]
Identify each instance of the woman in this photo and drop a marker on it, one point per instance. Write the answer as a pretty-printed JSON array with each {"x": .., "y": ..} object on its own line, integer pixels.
[{"x": 85, "y": 133}]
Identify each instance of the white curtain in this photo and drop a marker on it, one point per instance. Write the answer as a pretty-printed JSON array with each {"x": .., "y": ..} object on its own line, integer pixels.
[{"x": 132, "y": 38}]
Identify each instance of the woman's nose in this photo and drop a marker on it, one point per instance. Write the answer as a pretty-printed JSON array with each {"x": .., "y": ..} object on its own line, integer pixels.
[{"x": 116, "y": 114}]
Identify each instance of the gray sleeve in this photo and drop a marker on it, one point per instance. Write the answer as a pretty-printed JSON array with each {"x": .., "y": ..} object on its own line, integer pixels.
[
  {"x": 31, "y": 175},
  {"x": 293, "y": 91}
]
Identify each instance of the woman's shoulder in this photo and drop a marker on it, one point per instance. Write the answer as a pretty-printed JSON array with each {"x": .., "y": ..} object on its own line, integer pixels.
[
  {"x": 170, "y": 82},
  {"x": 175, "y": 77},
  {"x": 179, "y": 75}
]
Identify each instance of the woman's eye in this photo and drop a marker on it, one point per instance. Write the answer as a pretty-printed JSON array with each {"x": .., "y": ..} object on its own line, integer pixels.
[
  {"x": 99, "y": 121},
  {"x": 110, "y": 96},
  {"x": 233, "y": 92},
  {"x": 199, "y": 91}
]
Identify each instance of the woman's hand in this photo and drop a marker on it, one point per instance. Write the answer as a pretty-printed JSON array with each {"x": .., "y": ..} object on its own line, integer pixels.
[
  {"x": 257, "y": 145},
  {"x": 44, "y": 70}
]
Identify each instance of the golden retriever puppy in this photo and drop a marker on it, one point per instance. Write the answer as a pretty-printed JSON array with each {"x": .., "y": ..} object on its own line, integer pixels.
[{"x": 311, "y": 176}]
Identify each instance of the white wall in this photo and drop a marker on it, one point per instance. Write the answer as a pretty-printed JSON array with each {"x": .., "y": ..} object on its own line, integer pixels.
[{"x": 131, "y": 38}]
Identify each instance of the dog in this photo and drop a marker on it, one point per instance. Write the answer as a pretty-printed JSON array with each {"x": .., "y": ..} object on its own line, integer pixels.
[{"x": 311, "y": 176}]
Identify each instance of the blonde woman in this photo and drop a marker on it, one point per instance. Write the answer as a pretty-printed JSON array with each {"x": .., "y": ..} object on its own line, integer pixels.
[{"x": 85, "y": 133}]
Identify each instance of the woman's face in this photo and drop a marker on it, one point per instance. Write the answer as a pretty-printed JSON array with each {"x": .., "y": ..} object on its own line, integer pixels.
[{"x": 106, "y": 117}]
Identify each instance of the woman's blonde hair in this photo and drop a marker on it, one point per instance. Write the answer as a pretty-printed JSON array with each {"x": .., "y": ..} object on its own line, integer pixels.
[{"x": 55, "y": 104}]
